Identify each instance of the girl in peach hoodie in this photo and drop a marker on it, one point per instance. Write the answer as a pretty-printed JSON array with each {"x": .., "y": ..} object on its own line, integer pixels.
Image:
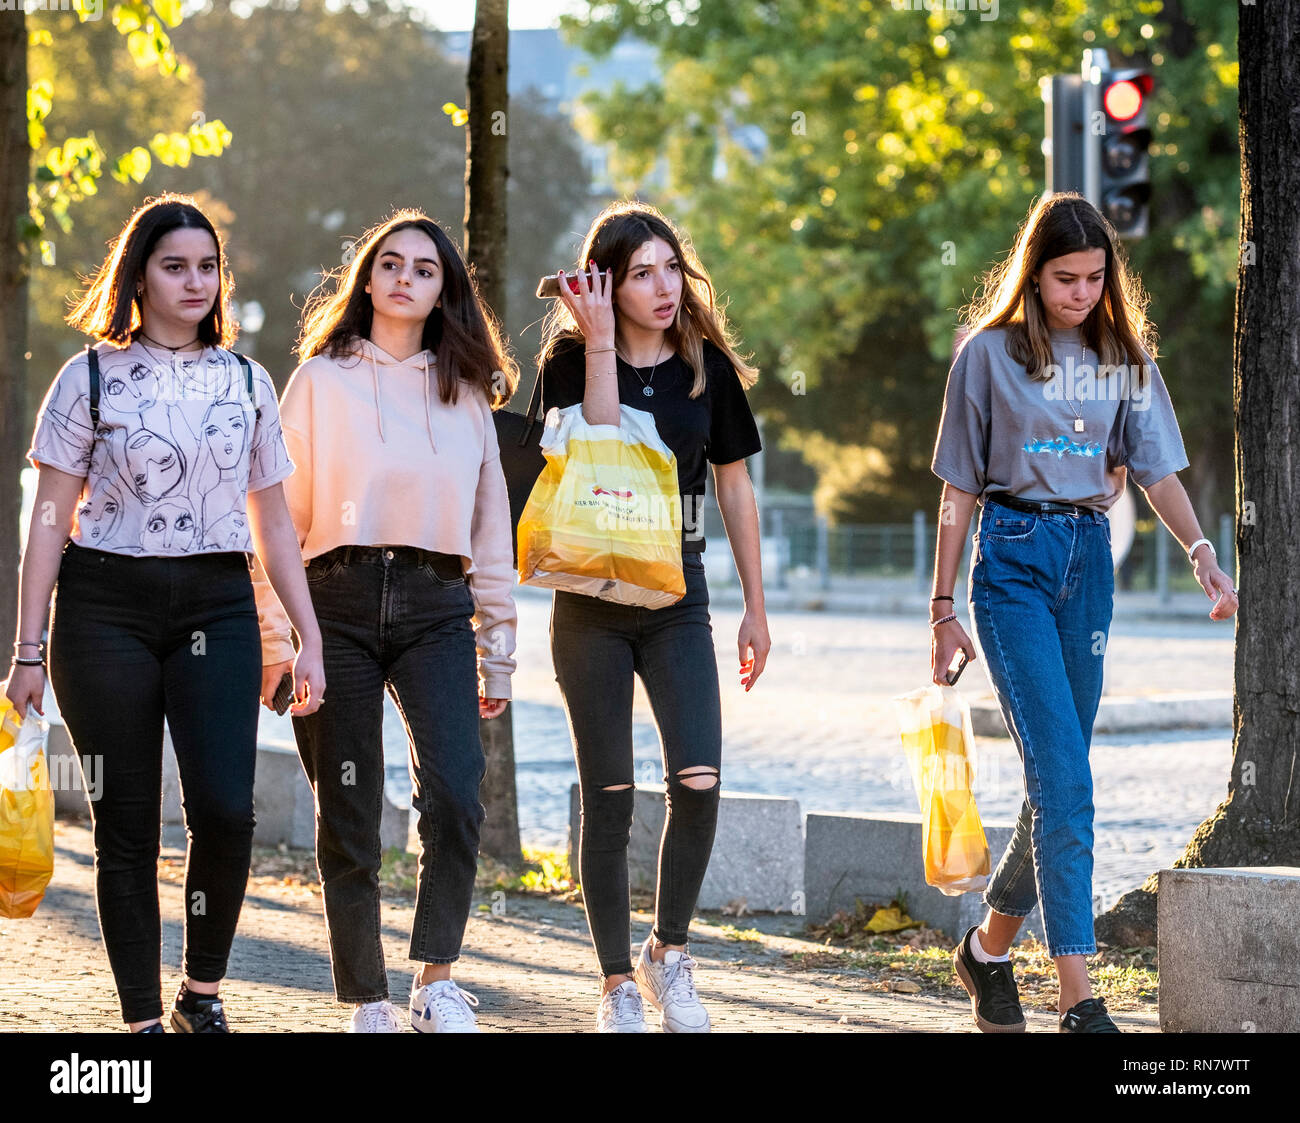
[{"x": 400, "y": 505}]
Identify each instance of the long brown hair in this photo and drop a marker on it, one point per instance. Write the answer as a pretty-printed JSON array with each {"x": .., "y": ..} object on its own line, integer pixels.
[
  {"x": 110, "y": 308},
  {"x": 1117, "y": 328},
  {"x": 463, "y": 333},
  {"x": 615, "y": 235}
]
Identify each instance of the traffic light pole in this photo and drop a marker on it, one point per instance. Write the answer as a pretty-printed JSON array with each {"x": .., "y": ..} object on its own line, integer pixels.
[{"x": 1095, "y": 64}]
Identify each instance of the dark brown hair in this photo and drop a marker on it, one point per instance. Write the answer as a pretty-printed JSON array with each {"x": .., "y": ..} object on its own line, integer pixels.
[
  {"x": 110, "y": 308},
  {"x": 615, "y": 235},
  {"x": 463, "y": 333},
  {"x": 1117, "y": 328}
]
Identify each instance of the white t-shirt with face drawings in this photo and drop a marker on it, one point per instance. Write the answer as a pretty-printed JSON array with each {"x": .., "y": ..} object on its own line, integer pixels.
[{"x": 177, "y": 450}]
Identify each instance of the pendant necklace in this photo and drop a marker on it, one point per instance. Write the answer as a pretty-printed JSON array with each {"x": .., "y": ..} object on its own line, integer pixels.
[
  {"x": 1078, "y": 417},
  {"x": 646, "y": 388}
]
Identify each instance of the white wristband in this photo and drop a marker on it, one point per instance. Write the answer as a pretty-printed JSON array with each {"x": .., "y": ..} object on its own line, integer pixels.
[{"x": 1200, "y": 542}]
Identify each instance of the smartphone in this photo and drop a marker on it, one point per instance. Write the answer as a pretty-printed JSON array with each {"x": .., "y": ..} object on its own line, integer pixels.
[
  {"x": 961, "y": 660},
  {"x": 283, "y": 694},
  {"x": 549, "y": 286}
]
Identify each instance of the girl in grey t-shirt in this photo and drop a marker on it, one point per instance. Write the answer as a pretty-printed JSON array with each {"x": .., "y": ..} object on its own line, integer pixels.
[{"x": 1053, "y": 401}]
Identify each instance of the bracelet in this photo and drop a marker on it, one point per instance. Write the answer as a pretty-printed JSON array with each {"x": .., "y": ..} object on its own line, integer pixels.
[
  {"x": 933, "y": 599},
  {"x": 943, "y": 620},
  {"x": 1198, "y": 543},
  {"x": 27, "y": 662},
  {"x": 597, "y": 350},
  {"x": 29, "y": 643}
]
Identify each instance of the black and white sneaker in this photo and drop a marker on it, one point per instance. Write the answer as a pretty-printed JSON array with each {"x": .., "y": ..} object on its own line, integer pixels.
[
  {"x": 994, "y": 998},
  {"x": 208, "y": 1015},
  {"x": 1088, "y": 1016}
]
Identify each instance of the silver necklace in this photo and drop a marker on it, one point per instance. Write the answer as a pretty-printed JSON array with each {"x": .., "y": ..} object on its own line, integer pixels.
[
  {"x": 1078, "y": 417},
  {"x": 646, "y": 388}
]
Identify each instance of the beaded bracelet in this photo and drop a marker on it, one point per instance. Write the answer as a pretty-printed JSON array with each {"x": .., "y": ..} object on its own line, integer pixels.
[
  {"x": 943, "y": 620},
  {"x": 27, "y": 662}
]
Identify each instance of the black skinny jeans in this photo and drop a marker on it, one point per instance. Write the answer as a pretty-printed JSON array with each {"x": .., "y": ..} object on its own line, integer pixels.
[
  {"x": 134, "y": 640},
  {"x": 597, "y": 647},
  {"x": 398, "y": 617}
]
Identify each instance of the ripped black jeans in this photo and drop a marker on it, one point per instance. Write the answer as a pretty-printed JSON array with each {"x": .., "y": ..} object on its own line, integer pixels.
[{"x": 597, "y": 648}]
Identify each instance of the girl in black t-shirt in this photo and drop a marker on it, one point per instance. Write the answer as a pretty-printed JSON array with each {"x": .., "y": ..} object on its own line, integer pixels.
[{"x": 643, "y": 330}]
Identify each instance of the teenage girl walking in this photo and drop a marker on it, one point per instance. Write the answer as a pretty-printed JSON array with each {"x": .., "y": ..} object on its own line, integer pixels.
[
  {"x": 1053, "y": 402},
  {"x": 643, "y": 330},
  {"x": 402, "y": 517},
  {"x": 161, "y": 459}
]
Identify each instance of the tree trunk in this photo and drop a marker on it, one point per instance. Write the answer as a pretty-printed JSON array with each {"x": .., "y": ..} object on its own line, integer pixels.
[
  {"x": 1258, "y": 824},
  {"x": 15, "y": 169},
  {"x": 485, "y": 249}
]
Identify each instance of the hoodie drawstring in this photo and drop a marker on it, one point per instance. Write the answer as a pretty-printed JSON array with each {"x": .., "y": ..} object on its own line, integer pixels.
[{"x": 379, "y": 404}]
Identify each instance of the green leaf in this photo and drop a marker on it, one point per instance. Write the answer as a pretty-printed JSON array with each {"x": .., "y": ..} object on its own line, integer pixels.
[{"x": 133, "y": 165}]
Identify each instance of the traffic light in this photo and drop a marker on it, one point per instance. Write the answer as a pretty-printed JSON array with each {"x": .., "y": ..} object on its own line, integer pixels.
[
  {"x": 1122, "y": 143},
  {"x": 1096, "y": 139}
]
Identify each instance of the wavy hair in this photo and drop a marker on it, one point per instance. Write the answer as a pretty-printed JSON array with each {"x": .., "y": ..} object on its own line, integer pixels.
[
  {"x": 463, "y": 333},
  {"x": 615, "y": 235},
  {"x": 1117, "y": 328},
  {"x": 110, "y": 309}
]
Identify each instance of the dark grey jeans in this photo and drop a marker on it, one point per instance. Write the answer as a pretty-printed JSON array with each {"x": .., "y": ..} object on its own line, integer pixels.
[
  {"x": 395, "y": 617},
  {"x": 597, "y": 648}
]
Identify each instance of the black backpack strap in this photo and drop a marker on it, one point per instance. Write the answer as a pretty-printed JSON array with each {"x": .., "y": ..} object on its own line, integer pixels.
[
  {"x": 534, "y": 404},
  {"x": 92, "y": 359},
  {"x": 248, "y": 382}
]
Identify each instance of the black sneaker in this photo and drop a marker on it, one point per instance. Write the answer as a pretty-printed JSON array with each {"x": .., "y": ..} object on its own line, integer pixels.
[
  {"x": 992, "y": 989},
  {"x": 157, "y": 1027},
  {"x": 1088, "y": 1016},
  {"x": 208, "y": 1016}
]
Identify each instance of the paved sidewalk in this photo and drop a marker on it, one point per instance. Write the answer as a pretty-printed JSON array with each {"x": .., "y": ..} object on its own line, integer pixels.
[{"x": 532, "y": 969}]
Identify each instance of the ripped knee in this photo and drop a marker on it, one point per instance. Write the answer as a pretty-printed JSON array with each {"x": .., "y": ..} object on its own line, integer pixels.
[{"x": 700, "y": 779}]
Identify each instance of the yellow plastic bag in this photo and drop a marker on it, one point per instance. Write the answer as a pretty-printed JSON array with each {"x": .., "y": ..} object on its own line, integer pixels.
[
  {"x": 605, "y": 516},
  {"x": 940, "y": 748},
  {"x": 26, "y": 814}
]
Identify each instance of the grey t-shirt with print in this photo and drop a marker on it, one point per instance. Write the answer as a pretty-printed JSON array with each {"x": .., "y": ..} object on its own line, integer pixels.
[{"x": 1002, "y": 431}]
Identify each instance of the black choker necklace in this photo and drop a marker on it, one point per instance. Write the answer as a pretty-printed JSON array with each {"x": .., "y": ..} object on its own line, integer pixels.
[{"x": 165, "y": 347}]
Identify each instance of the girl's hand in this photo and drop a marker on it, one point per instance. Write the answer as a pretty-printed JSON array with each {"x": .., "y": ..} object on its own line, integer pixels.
[
  {"x": 272, "y": 673},
  {"x": 1218, "y": 587},
  {"x": 754, "y": 643},
  {"x": 945, "y": 641},
  {"x": 26, "y": 685},
  {"x": 308, "y": 681},
  {"x": 592, "y": 305},
  {"x": 492, "y": 707}
]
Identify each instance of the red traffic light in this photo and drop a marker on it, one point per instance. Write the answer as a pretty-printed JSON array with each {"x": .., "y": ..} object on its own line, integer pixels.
[{"x": 1123, "y": 100}]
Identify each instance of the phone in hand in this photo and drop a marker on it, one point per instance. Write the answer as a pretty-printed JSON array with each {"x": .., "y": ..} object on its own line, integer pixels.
[
  {"x": 953, "y": 674},
  {"x": 549, "y": 286},
  {"x": 283, "y": 693}
]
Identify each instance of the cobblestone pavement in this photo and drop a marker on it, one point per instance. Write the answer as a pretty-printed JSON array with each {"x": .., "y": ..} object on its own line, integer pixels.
[{"x": 531, "y": 969}]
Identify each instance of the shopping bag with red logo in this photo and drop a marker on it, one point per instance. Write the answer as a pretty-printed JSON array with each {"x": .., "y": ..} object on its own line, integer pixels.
[
  {"x": 605, "y": 516},
  {"x": 26, "y": 813},
  {"x": 940, "y": 747}
]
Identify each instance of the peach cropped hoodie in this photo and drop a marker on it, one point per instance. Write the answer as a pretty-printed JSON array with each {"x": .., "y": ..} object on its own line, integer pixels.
[{"x": 382, "y": 460}]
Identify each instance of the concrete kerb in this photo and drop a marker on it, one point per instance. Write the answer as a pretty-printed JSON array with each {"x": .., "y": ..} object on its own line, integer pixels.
[{"x": 1229, "y": 949}]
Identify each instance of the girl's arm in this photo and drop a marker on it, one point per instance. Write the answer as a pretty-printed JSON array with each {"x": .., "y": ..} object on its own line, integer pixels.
[
  {"x": 739, "y": 512},
  {"x": 1169, "y": 500},
  {"x": 57, "y": 495},
  {"x": 593, "y": 309},
  {"x": 276, "y": 543},
  {"x": 955, "y": 510}
]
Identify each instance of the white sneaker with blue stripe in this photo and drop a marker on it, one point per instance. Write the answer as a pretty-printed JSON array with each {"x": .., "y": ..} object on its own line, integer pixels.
[{"x": 442, "y": 1007}]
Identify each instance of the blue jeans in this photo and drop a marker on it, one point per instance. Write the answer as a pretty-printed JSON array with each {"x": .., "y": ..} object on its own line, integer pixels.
[
  {"x": 395, "y": 617},
  {"x": 597, "y": 648},
  {"x": 1041, "y": 589}
]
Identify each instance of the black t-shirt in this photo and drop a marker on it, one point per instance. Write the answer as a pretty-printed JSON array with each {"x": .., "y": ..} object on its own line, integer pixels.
[{"x": 718, "y": 426}]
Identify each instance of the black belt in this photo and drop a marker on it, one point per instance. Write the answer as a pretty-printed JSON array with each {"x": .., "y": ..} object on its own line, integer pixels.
[
  {"x": 1034, "y": 506},
  {"x": 446, "y": 566}
]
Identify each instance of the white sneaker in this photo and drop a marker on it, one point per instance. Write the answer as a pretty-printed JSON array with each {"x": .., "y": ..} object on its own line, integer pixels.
[
  {"x": 442, "y": 1007},
  {"x": 375, "y": 1017},
  {"x": 620, "y": 1010},
  {"x": 670, "y": 987}
]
